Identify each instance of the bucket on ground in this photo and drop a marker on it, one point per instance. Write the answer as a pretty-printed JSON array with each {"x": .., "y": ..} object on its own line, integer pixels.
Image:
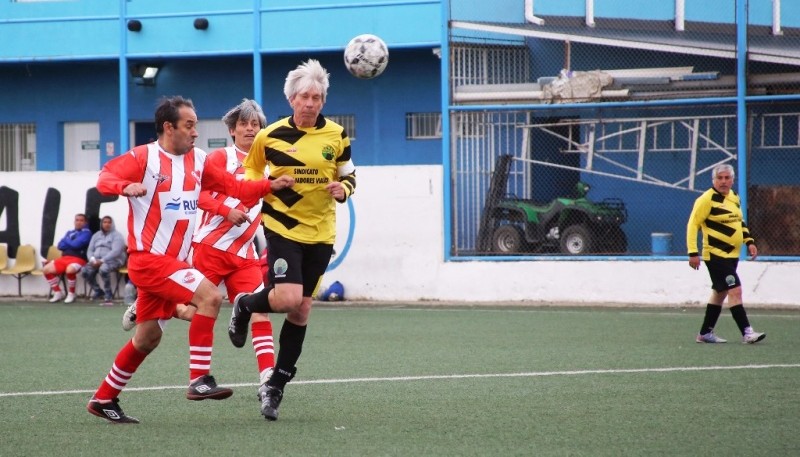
[{"x": 662, "y": 243}]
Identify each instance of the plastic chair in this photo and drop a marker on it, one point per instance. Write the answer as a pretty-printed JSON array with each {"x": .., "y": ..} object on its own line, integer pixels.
[
  {"x": 24, "y": 265},
  {"x": 3, "y": 256},
  {"x": 122, "y": 278}
]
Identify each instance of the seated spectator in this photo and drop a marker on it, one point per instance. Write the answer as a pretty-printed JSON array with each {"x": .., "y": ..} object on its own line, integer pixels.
[
  {"x": 106, "y": 254},
  {"x": 73, "y": 258}
]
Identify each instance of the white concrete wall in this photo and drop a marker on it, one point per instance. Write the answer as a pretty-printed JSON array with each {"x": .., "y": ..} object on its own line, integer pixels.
[{"x": 396, "y": 254}]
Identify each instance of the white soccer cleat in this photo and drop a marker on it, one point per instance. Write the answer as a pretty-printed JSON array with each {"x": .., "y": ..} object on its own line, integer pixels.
[
  {"x": 753, "y": 337},
  {"x": 711, "y": 338},
  {"x": 70, "y": 298},
  {"x": 57, "y": 296},
  {"x": 129, "y": 317}
]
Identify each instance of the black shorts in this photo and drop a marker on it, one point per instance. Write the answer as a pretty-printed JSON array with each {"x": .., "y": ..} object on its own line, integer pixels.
[
  {"x": 297, "y": 263},
  {"x": 723, "y": 273}
]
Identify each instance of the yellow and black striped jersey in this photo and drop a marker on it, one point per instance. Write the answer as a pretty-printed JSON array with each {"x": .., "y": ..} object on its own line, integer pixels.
[
  {"x": 720, "y": 218},
  {"x": 314, "y": 156}
]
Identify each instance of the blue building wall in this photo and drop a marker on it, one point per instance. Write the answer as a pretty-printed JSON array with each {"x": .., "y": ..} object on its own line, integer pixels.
[
  {"x": 88, "y": 91},
  {"x": 60, "y": 63}
]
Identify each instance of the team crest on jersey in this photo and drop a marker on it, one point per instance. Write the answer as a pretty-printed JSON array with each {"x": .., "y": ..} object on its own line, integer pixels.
[
  {"x": 196, "y": 176},
  {"x": 327, "y": 153},
  {"x": 160, "y": 178},
  {"x": 188, "y": 278}
]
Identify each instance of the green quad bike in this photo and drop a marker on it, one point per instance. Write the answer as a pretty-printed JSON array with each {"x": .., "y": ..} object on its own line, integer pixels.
[{"x": 573, "y": 226}]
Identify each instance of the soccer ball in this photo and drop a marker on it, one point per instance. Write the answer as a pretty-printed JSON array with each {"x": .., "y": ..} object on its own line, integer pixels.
[{"x": 366, "y": 56}]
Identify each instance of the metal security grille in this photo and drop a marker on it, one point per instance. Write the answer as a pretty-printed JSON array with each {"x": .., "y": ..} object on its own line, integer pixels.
[
  {"x": 555, "y": 148},
  {"x": 489, "y": 65},
  {"x": 17, "y": 147},
  {"x": 423, "y": 126},
  {"x": 348, "y": 121}
]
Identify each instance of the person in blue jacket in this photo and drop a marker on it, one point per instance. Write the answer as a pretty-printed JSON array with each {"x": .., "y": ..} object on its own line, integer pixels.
[{"x": 73, "y": 257}]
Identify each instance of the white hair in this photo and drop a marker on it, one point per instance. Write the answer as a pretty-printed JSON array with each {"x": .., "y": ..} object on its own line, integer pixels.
[
  {"x": 721, "y": 168},
  {"x": 308, "y": 75}
]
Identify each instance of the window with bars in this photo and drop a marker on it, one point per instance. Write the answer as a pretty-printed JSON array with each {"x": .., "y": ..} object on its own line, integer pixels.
[
  {"x": 423, "y": 126},
  {"x": 477, "y": 64},
  {"x": 348, "y": 121},
  {"x": 17, "y": 147}
]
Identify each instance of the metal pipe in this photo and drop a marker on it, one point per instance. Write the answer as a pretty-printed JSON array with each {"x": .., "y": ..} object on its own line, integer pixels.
[
  {"x": 776, "y": 18},
  {"x": 529, "y": 14},
  {"x": 680, "y": 15}
]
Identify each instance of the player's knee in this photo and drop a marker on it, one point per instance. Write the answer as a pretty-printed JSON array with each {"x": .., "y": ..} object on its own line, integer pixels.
[
  {"x": 285, "y": 302},
  {"x": 735, "y": 295},
  {"x": 146, "y": 341}
]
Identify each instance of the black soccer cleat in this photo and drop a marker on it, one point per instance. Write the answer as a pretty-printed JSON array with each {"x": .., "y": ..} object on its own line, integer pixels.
[
  {"x": 237, "y": 327},
  {"x": 270, "y": 400},
  {"x": 110, "y": 411},
  {"x": 206, "y": 388}
]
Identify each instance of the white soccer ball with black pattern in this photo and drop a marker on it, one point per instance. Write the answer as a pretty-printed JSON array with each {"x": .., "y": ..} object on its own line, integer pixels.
[{"x": 366, "y": 56}]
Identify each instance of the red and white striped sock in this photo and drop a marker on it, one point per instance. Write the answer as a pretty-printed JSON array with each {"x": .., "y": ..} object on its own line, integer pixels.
[
  {"x": 53, "y": 281},
  {"x": 264, "y": 348},
  {"x": 201, "y": 343},
  {"x": 72, "y": 279},
  {"x": 125, "y": 364}
]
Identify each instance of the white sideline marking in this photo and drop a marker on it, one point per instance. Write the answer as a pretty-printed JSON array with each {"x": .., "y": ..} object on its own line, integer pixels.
[
  {"x": 752, "y": 312},
  {"x": 438, "y": 377}
]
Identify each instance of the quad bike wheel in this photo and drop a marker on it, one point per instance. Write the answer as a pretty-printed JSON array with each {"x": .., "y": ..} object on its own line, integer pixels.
[
  {"x": 577, "y": 240},
  {"x": 507, "y": 239}
]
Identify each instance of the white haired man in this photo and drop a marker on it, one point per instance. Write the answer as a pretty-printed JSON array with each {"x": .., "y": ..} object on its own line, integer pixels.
[
  {"x": 718, "y": 214},
  {"x": 299, "y": 223}
]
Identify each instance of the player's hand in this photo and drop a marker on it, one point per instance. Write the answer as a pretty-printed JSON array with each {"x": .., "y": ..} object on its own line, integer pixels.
[
  {"x": 282, "y": 182},
  {"x": 135, "y": 189},
  {"x": 694, "y": 262},
  {"x": 238, "y": 217},
  {"x": 753, "y": 251},
  {"x": 336, "y": 189}
]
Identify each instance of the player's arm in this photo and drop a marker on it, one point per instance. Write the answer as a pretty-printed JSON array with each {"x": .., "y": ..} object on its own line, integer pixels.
[
  {"x": 345, "y": 185},
  {"x": 752, "y": 250},
  {"x": 748, "y": 238},
  {"x": 123, "y": 175},
  {"x": 211, "y": 205},
  {"x": 249, "y": 192},
  {"x": 700, "y": 212},
  {"x": 206, "y": 201},
  {"x": 255, "y": 162}
]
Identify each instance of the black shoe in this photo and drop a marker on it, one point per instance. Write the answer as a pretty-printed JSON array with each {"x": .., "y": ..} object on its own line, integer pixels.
[
  {"x": 206, "y": 388},
  {"x": 237, "y": 327},
  {"x": 270, "y": 400},
  {"x": 110, "y": 411}
]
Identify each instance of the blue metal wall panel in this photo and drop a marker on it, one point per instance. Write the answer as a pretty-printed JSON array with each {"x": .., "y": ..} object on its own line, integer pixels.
[
  {"x": 300, "y": 29},
  {"x": 175, "y": 36}
]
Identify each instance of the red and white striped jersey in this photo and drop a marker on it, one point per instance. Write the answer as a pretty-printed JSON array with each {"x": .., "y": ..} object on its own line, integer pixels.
[
  {"x": 215, "y": 229},
  {"x": 163, "y": 220}
]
